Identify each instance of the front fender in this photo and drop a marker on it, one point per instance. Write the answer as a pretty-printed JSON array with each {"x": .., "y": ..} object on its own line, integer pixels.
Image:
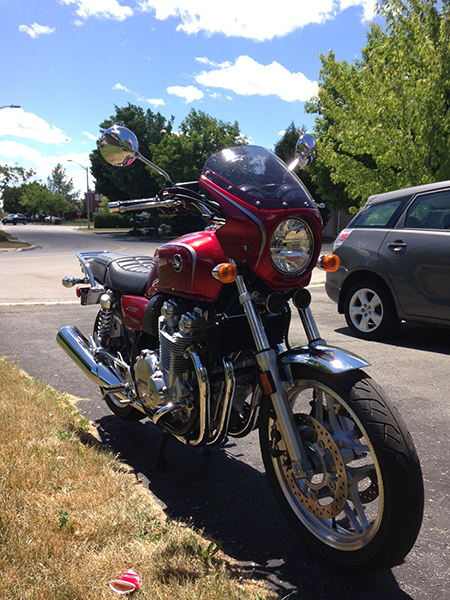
[{"x": 324, "y": 358}]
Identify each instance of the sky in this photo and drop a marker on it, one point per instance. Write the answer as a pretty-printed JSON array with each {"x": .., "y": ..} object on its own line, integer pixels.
[{"x": 68, "y": 63}]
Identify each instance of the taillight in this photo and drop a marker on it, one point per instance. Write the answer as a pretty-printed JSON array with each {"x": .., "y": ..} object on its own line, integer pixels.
[{"x": 341, "y": 238}]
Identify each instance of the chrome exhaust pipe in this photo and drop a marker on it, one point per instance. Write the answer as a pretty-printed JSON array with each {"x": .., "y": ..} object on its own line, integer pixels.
[{"x": 75, "y": 345}]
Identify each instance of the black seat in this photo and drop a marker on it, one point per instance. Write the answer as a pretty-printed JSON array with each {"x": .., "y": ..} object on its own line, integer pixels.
[{"x": 124, "y": 272}]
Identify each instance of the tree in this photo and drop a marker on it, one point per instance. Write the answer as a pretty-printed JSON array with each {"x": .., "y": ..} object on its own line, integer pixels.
[
  {"x": 285, "y": 147},
  {"x": 133, "y": 182},
  {"x": 384, "y": 121},
  {"x": 12, "y": 196},
  {"x": 311, "y": 175},
  {"x": 36, "y": 197},
  {"x": 12, "y": 175},
  {"x": 183, "y": 154},
  {"x": 58, "y": 183}
]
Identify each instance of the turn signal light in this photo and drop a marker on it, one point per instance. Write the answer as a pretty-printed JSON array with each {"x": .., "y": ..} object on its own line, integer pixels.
[
  {"x": 329, "y": 262},
  {"x": 225, "y": 272}
]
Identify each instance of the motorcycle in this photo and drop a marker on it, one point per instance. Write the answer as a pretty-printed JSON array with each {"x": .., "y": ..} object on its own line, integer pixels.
[{"x": 196, "y": 338}]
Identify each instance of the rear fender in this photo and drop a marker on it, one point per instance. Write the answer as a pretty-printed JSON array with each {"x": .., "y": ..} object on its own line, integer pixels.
[{"x": 327, "y": 359}]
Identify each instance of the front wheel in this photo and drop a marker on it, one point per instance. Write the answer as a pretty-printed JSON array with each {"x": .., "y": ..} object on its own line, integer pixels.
[{"x": 361, "y": 502}]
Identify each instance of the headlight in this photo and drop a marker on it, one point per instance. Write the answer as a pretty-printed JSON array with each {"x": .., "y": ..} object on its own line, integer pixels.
[{"x": 291, "y": 247}]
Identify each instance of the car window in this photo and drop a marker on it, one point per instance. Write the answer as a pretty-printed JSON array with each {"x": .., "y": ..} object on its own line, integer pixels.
[
  {"x": 380, "y": 214},
  {"x": 430, "y": 211}
]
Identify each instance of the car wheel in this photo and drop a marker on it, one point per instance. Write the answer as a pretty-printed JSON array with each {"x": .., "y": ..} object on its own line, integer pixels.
[{"x": 370, "y": 311}]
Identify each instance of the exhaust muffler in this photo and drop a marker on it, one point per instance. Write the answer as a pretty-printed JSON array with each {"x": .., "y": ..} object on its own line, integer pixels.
[{"x": 75, "y": 345}]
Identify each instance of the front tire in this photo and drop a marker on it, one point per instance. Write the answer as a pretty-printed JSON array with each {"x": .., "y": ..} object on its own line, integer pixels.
[
  {"x": 361, "y": 503},
  {"x": 370, "y": 311}
]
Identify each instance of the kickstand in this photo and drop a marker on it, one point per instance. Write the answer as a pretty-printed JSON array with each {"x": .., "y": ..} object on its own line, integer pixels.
[{"x": 160, "y": 462}]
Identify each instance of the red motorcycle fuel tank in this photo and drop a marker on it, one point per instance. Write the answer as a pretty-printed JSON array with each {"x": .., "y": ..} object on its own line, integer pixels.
[{"x": 185, "y": 267}]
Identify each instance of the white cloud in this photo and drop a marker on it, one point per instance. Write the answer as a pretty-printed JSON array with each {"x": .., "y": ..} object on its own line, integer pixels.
[
  {"x": 119, "y": 86},
  {"x": 189, "y": 93},
  {"x": 35, "y": 30},
  {"x": 368, "y": 7},
  {"x": 18, "y": 123},
  {"x": 90, "y": 136},
  {"x": 248, "y": 78},
  {"x": 101, "y": 9},
  {"x": 152, "y": 101},
  {"x": 250, "y": 19},
  {"x": 13, "y": 152},
  {"x": 156, "y": 101}
]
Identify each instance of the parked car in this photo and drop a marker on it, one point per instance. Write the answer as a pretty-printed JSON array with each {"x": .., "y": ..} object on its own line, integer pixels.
[
  {"x": 53, "y": 219},
  {"x": 14, "y": 219},
  {"x": 395, "y": 262}
]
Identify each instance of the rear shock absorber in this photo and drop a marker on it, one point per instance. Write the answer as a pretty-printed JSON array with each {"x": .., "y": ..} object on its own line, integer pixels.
[{"x": 105, "y": 318}]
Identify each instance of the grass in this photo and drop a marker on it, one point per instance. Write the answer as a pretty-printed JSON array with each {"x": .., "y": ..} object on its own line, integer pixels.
[
  {"x": 7, "y": 241},
  {"x": 73, "y": 517}
]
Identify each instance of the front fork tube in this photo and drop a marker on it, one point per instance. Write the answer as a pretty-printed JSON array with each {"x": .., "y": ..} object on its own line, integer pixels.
[
  {"x": 267, "y": 361},
  {"x": 309, "y": 325}
]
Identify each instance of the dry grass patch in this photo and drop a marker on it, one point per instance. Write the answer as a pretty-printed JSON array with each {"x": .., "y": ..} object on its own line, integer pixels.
[{"x": 72, "y": 516}]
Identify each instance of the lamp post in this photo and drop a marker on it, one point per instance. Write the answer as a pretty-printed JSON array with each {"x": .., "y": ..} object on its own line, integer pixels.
[{"x": 87, "y": 189}]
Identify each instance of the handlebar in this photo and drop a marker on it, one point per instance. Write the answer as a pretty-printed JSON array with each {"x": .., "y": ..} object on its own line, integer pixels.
[
  {"x": 176, "y": 197},
  {"x": 123, "y": 206}
]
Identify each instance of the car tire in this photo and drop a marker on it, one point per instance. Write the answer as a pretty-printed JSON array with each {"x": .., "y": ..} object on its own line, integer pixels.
[{"x": 370, "y": 311}]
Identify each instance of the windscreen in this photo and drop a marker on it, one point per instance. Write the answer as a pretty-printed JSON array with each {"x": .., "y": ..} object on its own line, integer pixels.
[{"x": 257, "y": 176}]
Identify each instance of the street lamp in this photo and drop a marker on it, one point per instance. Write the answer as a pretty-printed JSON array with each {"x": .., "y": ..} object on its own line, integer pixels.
[{"x": 87, "y": 189}]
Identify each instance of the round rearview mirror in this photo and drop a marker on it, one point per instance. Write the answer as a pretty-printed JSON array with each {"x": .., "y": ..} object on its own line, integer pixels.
[
  {"x": 119, "y": 146},
  {"x": 305, "y": 150}
]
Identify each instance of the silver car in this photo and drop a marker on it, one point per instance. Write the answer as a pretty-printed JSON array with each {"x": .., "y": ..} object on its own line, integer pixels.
[{"x": 395, "y": 262}]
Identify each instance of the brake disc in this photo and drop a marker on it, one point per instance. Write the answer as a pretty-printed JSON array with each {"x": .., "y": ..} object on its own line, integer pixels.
[{"x": 324, "y": 491}]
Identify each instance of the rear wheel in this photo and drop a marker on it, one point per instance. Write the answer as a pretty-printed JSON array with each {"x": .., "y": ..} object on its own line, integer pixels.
[
  {"x": 361, "y": 502},
  {"x": 115, "y": 344}
]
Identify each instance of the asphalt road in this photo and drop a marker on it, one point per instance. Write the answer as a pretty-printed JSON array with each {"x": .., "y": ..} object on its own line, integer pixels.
[{"x": 225, "y": 491}]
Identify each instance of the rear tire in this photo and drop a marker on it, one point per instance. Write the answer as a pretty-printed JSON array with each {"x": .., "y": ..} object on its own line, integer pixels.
[
  {"x": 361, "y": 503},
  {"x": 127, "y": 412}
]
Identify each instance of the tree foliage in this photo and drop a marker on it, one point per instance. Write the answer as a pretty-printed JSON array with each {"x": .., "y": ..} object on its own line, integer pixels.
[
  {"x": 384, "y": 121},
  {"x": 285, "y": 147},
  {"x": 59, "y": 183},
  {"x": 123, "y": 183},
  {"x": 13, "y": 175},
  {"x": 32, "y": 198},
  {"x": 311, "y": 176},
  {"x": 183, "y": 154}
]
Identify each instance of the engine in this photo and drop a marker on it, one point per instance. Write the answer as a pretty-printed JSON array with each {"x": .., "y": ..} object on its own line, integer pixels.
[{"x": 167, "y": 376}]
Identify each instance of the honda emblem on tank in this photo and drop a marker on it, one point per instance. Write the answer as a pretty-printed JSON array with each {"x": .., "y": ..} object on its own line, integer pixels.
[{"x": 177, "y": 263}]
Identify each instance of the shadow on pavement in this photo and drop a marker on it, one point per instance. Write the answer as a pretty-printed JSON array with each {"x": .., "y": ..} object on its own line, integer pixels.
[
  {"x": 231, "y": 501},
  {"x": 416, "y": 336}
]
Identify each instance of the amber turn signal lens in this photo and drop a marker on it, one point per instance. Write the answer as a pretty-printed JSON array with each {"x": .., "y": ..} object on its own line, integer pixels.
[
  {"x": 225, "y": 272},
  {"x": 330, "y": 262}
]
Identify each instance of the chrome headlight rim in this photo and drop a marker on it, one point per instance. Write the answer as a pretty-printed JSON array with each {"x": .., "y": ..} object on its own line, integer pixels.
[{"x": 282, "y": 264}]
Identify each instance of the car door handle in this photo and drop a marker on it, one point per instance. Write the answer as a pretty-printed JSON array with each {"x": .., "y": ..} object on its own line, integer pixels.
[{"x": 397, "y": 245}]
